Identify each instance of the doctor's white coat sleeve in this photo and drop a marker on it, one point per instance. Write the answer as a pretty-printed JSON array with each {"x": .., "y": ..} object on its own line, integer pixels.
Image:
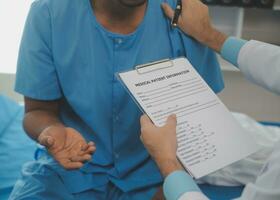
[
  {"x": 258, "y": 61},
  {"x": 266, "y": 187}
]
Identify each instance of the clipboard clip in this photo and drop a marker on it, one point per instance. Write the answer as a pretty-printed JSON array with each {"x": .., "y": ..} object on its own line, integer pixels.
[{"x": 153, "y": 66}]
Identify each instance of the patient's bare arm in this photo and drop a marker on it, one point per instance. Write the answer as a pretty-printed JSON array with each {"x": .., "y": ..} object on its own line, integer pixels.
[
  {"x": 39, "y": 115},
  {"x": 66, "y": 145}
]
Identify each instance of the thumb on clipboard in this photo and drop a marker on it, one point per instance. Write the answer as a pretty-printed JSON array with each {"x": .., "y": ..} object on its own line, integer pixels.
[{"x": 161, "y": 143}]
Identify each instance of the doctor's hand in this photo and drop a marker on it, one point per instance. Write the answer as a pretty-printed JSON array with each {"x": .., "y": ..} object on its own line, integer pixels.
[
  {"x": 161, "y": 143},
  {"x": 67, "y": 146},
  {"x": 195, "y": 21}
]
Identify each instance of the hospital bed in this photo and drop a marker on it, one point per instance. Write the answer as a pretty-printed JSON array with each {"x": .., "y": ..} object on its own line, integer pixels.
[
  {"x": 16, "y": 148},
  {"x": 229, "y": 192},
  {"x": 214, "y": 192}
]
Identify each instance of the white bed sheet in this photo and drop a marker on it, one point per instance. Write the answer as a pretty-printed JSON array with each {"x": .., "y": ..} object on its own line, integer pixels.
[{"x": 246, "y": 170}]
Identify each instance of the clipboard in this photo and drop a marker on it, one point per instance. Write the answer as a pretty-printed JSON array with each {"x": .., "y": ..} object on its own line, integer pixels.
[
  {"x": 152, "y": 66},
  {"x": 207, "y": 134},
  {"x": 147, "y": 68},
  {"x": 142, "y": 69}
]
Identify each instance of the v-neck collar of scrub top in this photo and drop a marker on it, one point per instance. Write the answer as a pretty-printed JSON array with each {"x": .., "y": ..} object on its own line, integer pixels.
[{"x": 118, "y": 35}]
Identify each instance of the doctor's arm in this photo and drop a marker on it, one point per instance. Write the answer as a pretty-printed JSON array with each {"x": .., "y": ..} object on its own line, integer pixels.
[
  {"x": 258, "y": 61},
  {"x": 161, "y": 143}
]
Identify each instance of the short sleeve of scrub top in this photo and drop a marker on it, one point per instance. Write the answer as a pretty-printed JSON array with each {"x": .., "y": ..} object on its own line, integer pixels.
[
  {"x": 62, "y": 37},
  {"x": 36, "y": 74}
]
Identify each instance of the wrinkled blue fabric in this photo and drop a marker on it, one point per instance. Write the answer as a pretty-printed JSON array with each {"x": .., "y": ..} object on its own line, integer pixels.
[
  {"x": 15, "y": 147},
  {"x": 66, "y": 54}
]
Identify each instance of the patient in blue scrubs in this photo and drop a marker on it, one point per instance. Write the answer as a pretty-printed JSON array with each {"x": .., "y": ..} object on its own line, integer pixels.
[{"x": 69, "y": 54}]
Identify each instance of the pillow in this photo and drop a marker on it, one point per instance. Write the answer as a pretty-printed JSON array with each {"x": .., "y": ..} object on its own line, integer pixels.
[
  {"x": 16, "y": 147},
  {"x": 8, "y": 111}
]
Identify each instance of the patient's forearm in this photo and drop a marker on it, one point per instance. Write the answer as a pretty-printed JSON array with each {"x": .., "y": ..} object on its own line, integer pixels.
[{"x": 37, "y": 120}]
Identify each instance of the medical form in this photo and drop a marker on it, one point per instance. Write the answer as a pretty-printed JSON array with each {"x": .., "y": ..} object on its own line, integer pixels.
[{"x": 208, "y": 136}]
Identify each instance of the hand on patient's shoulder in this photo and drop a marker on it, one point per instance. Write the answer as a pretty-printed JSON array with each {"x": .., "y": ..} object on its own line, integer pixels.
[
  {"x": 195, "y": 21},
  {"x": 67, "y": 146}
]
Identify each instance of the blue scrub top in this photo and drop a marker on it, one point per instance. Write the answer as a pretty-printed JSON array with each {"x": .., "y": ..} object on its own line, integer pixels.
[{"x": 66, "y": 54}]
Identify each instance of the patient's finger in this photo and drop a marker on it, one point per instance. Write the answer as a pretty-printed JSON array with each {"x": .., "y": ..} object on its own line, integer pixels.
[
  {"x": 91, "y": 143},
  {"x": 84, "y": 147},
  {"x": 46, "y": 141},
  {"x": 82, "y": 158},
  {"x": 89, "y": 150},
  {"x": 72, "y": 165}
]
